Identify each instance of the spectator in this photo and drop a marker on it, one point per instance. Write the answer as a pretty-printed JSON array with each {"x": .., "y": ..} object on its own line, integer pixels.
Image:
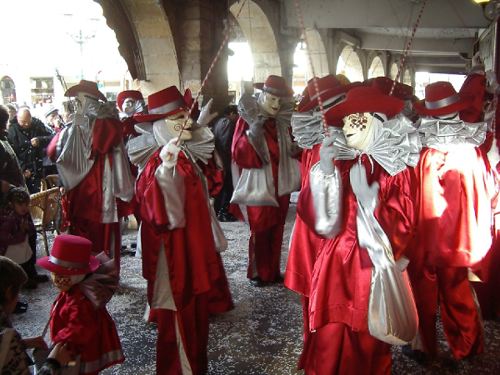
[
  {"x": 13, "y": 356},
  {"x": 28, "y": 137},
  {"x": 223, "y": 131},
  {"x": 17, "y": 234},
  {"x": 54, "y": 120},
  {"x": 10, "y": 171}
]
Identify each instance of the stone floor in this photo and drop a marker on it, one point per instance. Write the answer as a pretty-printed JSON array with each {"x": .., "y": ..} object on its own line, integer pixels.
[{"x": 261, "y": 336}]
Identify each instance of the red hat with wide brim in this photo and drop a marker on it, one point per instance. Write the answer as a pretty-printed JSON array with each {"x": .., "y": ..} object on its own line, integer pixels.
[
  {"x": 70, "y": 255},
  {"x": 134, "y": 94},
  {"x": 164, "y": 103},
  {"x": 275, "y": 85},
  {"x": 328, "y": 87},
  {"x": 441, "y": 99},
  {"x": 384, "y": 84},
  {"x": 88, "y": 87},
  {"x": 363, "y": 99}
]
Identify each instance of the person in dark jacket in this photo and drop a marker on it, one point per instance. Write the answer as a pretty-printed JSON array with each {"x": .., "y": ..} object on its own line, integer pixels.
[
  {"x": 10, "y": 171},
  {"x": 29, "y": 137},
  {"x": 223, "y": 131}
]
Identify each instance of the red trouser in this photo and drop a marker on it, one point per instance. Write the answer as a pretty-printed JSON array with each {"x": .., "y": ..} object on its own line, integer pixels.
[
  {"x": 182, "y": 338},
  {"x": 337, "y": 349},
  {"x": 219, "y": 296},
  {"x": 264, "y": 252},
  {"x": 451, "y": 289}
]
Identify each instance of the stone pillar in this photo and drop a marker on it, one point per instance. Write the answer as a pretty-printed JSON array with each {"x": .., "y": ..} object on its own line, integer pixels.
[
  {"x": 199, "y": 34},
  {"x": 286, "y": 50}
]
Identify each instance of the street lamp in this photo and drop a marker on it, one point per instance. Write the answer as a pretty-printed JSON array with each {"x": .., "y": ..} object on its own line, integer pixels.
[{"x": 81, "y": 37}]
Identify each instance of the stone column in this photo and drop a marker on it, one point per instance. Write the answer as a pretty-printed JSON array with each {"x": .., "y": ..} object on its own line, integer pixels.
[{"x": 199, "y": 34}]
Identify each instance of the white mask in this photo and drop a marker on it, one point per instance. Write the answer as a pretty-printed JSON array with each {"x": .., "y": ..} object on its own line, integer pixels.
[
  {"x": 359, "y": 127},
  {"x": 87, "y": 104},
  {"x": 269, "y": 103},
  {"x": 166, "y": 129},
  {"x": 131, "y": 106}
]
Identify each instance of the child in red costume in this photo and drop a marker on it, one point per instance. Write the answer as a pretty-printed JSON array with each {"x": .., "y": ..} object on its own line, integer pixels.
[{"x": 79, "y": 317}]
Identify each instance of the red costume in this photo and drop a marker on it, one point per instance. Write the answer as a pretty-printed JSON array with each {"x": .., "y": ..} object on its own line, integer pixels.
[
  {"x": 340, "y": 341},
  {"x": 266, "y": 222},
  {"x": 456, "y": 190},
  {"x": 78, "y": 316},
  {"x": 264, "y": 146},
  {"x": 185, "y": 275},
  {"x": 90, "y": 207},
  {"x": 88, "y": 331}
]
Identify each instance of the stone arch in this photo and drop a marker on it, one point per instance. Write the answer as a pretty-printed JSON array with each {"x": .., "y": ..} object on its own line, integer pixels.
[
  {"x": 349, "y": 64},
  {"x": 146, "y": 42},
  {"x": 302, "y": 70},
  {"x": 376, "y": 68},
  {"x": 317, "y": 52},
  {"x": 8, "y": 90},
  {"x": 260, "y": 35}
]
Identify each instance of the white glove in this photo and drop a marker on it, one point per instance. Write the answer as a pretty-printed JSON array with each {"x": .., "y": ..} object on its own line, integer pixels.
[
  {"x": 205, "y": 116},
  {"x": 169, "y": 153},
  {"x": 248, "y": 108},
  {"x": 327, "y": 153},
  {"x": 366, "y": 195}
]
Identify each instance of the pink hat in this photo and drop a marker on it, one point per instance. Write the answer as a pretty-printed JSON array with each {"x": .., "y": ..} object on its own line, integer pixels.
[
  {"x": 363, "y": 99},
  {"x": 85, "y": 86},
  {"x": 166, "y": 102},
  {"x": 134, "y": 94},
  {"x": 275, "y": 85},
  {"x": 70, "y": 255},
  {"x": 441, "y": 99}
]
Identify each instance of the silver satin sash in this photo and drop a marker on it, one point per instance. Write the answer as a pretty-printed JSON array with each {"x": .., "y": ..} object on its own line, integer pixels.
[
  {"x": 392, "y": 313},
  {"x": 327, "y": 200},
  {"x": 123, "y": 180},
  {"x": 74, "y": 150},
  {"x": 174, "y": 195},
  {"x": 440, "y": 134},
  {"x": 395, "y": 146},
  {"x": 288, "y": 170},
  {"x": 307, "y": 129}
]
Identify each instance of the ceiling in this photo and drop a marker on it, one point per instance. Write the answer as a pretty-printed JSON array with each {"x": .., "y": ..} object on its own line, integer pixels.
[{"x": 444, "y": 39}]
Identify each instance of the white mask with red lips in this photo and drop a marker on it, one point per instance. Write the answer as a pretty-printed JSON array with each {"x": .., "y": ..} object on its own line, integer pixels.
[{"x": 359, "y": 129}]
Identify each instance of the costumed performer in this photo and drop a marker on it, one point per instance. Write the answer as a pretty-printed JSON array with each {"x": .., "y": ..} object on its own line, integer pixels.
[{"x": 179, "y": 232}]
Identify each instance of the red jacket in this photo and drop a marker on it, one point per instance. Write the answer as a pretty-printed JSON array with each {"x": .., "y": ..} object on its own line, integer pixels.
[{"x": 88, "y": 331}]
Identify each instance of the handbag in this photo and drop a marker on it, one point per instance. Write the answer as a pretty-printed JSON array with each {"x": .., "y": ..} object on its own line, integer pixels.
[
  {"x": 392, "y": 314},
  {"x": 255, "y": 187}
]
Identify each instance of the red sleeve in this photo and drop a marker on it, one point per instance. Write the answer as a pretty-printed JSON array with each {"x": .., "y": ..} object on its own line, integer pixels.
[
  {"x": 80, "y": 325},
  {"x": 106, "y": 134},
  {"x": 397, "y": 211},
  {"x": 243, "y": 152},
  {"x": 473, "y": 88},
  {"x": 52, "y": 147},
  {"x": 214, "y": 177}
]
